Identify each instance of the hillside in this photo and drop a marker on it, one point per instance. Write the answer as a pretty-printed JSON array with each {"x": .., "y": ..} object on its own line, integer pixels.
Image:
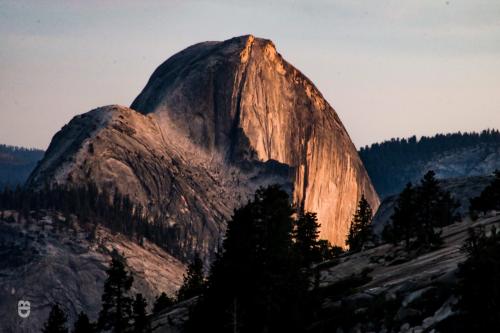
[
  {"x": 381, "y": 289},
  {"x": 47, "y": 259},
  {"x": 461, "y": 189},
  {"x": 16, "y": 164},
  {"x": 392, "y": 164}
]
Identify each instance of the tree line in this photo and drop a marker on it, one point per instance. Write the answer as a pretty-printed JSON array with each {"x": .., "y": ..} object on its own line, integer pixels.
[
  {"x": 93, "y": 206},
  {"x": 21, "y": 153},
  {"x": 419, "y": 212},
  {"x": 16, "y": 164},
  {"x": 391, "y": 163}
]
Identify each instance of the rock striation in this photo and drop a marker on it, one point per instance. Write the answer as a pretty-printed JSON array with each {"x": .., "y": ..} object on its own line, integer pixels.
[
  {"x": 241, "y": 99},
  {"x": 214, "y": 122}
]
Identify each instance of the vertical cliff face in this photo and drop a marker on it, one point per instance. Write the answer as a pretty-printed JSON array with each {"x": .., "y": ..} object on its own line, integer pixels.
[{"x": 241, "y": 99}]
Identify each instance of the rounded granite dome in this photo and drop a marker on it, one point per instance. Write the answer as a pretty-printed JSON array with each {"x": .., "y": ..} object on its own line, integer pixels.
[{"x": 240, "y": 98}]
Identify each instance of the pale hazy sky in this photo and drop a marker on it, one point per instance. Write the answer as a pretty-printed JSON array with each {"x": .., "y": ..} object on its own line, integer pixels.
[{"x": 389, "y": 68}]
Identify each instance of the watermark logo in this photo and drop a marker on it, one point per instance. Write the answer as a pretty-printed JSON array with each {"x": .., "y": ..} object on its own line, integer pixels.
[{"x": 23, "y": 309}]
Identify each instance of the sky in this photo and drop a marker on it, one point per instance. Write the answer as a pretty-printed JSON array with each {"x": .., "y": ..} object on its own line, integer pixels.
[{"x": 389, "y": 68}]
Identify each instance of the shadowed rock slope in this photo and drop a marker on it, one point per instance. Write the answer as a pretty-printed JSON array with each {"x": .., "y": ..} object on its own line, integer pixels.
[
  {"x": 120, "y": 149},
  {"x": 382, "y": 289},
  {"x": 48, "y": 259}
]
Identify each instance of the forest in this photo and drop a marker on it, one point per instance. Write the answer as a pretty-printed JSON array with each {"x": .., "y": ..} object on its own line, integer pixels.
[
  {"x": 93, "y": 207},
  {"x": 393, "y": 163},
  {"x": 16, "y": 164}
]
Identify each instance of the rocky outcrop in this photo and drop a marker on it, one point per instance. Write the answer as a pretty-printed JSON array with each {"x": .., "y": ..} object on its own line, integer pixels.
[
  {"x": 49, "y": 259},
  {"x": 241, "y": 99},
  {"x": 384, "y": 289},
  {"x": 173, "y": 319},
  {"x": 215, "y": 122}
]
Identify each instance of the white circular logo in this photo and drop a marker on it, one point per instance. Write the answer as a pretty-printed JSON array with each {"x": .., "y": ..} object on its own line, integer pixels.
[{"x": 23, "y": 309}]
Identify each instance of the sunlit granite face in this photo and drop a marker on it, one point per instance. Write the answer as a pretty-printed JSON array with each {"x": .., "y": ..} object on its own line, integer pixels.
[{"x": 240, "y": 98}]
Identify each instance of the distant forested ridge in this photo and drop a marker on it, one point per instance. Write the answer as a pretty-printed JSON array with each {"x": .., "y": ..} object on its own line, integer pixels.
[
  {"x": 16, "y": 164},
  {"x": 393, "y": 163}
]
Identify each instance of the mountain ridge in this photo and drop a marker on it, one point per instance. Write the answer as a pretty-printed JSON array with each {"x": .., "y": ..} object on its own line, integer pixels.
[
  {"x": 452, "y": 155},
  {"x": 214, "y": 122},
  {"x": 16, "y": 164}
]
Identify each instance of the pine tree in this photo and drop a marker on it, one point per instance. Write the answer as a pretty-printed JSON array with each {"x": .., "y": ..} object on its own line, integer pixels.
[
  {"x": 162, "y": 302},
  {"x": 478, "y": 282},
  {"x": 83, "y": 324},
  {"x": 436, "y": 208},
  {"x": 256, "y": 284},
  {"x": 194, "y": 280},
  {"x": 419, "y": 211},
  {"x": 57, "y": 321},
  {"x": 116, "y": 309},
  {"x": 428, "y": 196},
  {"x": 404, "y": 222},
  {"x": 305, "y": 236},
  {"x": 360, "y": 231},
  {"x": 489, "y": 199},
  {"x": 141, "y": 322}
]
